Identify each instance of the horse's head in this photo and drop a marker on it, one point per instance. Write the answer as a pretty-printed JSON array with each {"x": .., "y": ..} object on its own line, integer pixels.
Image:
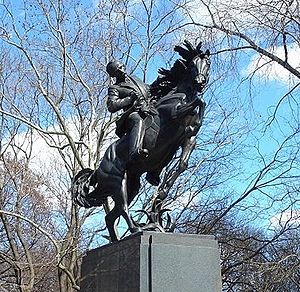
[
  {"x": 193, "y": 66},
  {"x": 196, "y": 64},
  {"x": 190, "y": 72},
  {"x": 199, "y": 67}
]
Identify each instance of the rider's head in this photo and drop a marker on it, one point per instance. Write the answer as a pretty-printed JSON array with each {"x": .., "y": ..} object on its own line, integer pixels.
[{"x": 115, "y": 69}]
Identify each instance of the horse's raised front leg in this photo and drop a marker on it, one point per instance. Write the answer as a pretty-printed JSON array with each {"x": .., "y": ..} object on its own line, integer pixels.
[
  {"x": 194, "y": 123},
  {"x": 187, "y": 149}
]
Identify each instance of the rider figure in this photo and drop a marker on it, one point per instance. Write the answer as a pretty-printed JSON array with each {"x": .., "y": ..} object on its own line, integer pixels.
[{"x": 130, "y": 94}]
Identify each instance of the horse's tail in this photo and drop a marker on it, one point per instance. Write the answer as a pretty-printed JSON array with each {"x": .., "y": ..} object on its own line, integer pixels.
[{"x": 83, "y": 191}]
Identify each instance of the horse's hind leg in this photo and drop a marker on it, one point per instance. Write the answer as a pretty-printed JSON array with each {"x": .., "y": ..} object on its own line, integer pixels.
[
  {"x": 126, "y": 216},
  {"x": 123, "y": 204},
  {"x": 110, "y": 220},
  {"x": 121, "y": 208},
  {"x": 112, "y": 216}
]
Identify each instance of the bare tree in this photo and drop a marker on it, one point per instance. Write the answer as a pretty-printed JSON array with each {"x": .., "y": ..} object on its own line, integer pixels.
[
  {"x": 54, "y": 121},
  {"x": 242, "y": 180}
]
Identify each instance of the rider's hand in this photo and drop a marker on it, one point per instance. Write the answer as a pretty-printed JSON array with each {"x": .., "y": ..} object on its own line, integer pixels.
[
  {"x": 138, "y": 103},
  {"x": 138, "y": 99},
  {"x": 136, "y": 95}
]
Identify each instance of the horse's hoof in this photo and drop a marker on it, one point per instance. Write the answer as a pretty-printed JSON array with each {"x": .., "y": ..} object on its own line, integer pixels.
[{"x": 153, "y": 179}]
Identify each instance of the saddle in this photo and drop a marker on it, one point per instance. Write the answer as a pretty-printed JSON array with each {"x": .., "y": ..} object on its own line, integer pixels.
[{"x": 144, "y": 111}]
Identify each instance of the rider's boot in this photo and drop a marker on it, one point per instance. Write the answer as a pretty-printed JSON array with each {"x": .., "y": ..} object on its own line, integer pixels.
[
  {"x": 136, "y": 140},
  {"x": 138, "y": 153}
]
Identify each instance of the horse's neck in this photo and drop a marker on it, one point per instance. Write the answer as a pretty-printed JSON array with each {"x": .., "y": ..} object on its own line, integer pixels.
[{"x": 187, "y": 88}]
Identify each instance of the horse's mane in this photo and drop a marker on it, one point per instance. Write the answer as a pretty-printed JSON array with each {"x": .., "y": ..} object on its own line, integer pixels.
[{"x": 169, "y": 78}]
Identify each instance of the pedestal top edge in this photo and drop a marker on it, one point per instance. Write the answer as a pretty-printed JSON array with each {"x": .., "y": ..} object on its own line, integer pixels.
[{"x": 152, "y": 237}]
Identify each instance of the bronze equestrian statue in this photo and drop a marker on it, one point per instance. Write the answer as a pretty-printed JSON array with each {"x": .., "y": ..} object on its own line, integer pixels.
[{"x": 156, "y": 121}]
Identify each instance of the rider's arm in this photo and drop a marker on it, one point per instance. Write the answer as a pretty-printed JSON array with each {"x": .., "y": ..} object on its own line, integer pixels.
[{"x": 114, "y": 102}]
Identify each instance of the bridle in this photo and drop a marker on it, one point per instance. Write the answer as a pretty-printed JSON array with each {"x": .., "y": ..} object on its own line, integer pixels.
[{"x": 200, "y": 67}]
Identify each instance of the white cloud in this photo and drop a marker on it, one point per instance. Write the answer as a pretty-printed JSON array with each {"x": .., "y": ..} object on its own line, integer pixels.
[
  {"x": 42, "y": 153},
  {"x": 222, "y": 10},
  {"x": 271, "y": 70},
  {"x": 245, "y": 16},
  {"x": 290, "y": 218},
  {"x": 48, "y": 162}
]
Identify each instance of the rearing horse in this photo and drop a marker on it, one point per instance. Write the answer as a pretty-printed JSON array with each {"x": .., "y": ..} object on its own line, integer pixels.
[{"x": 176, "y": 97}]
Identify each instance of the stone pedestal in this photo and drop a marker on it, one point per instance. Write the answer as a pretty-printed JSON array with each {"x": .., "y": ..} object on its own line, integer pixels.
[{"x": 154, "y": 262}]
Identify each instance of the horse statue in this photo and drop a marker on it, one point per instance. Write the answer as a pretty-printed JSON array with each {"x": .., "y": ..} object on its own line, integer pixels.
[{"x": 178, "y": 107}]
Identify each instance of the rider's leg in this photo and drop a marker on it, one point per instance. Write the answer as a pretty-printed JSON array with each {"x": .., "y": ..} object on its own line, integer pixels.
[{"x": 136, "y": 135}]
